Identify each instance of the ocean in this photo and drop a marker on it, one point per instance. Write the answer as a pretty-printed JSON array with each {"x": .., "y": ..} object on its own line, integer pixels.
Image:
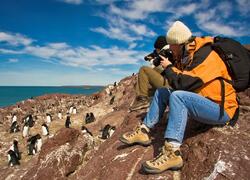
[{"x": 10, "y": 95}]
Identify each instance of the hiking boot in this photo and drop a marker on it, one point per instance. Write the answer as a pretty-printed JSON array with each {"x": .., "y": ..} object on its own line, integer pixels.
[
  {"x": 139, "y": 136},
  {"x": 140, "y": 102},
  {"x": 169, "y": 158}
]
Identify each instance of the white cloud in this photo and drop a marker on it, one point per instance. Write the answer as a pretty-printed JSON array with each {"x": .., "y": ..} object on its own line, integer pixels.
[
  {"x": 125, "y": 18},
  {"x": 243, "y": 7},
  {"x": 13, "y": 60},
  {"x": 80, "y": 56},
  {"x": 217, "y": 20},
  {"x": 142, "y": 30},
  {"x": 131, "y": 14},
  {"x": 224, "y": 29},
  {"x": 186, "y": 9},
  {"x": 132, "y": 45},
  {"x": 203, "y": 17},
  {"x": 121, "y": 29},
  {"x": 59, "y": 45},
  {"x": 131, "y": 27},
  {"x": 139, "y": 9},
  {"x": 41, "y": 51},
  {"x": 14, "y": 39},
  {"x": 115, "y": 33},
  {"x": 9, "y": 51},
  {"x": 76, "y": 2},
  {"x": 225, "y": 9}
]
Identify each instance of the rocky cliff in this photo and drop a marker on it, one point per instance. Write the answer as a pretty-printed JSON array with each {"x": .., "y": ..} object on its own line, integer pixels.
[{"x": 67, "y": 153}]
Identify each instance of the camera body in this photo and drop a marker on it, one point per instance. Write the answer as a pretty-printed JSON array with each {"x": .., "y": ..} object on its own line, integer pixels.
[
  {"x": 156, "y": 56},
  {"x": 164, "y": 52}
]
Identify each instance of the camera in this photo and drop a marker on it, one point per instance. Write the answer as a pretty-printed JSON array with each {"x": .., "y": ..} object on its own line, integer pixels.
[
  {"x": 157, "y": 59},
  {"x": 151, "y": 56}
]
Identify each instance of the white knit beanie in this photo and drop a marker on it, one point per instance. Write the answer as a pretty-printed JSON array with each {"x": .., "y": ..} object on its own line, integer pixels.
[{"x": 178, "y": 33}]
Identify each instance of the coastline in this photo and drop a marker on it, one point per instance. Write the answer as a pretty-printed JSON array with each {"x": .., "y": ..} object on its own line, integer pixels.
[{"x": 10, "y": 95}]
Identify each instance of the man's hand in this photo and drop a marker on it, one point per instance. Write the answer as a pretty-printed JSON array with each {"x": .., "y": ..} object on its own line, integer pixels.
[{"x": 164, "y": 62}]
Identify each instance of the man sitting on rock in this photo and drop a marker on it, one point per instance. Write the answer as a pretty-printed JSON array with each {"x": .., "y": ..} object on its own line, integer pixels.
[
  {"x": 149, "y": 79},
  {"x": 196, "y": 94}
]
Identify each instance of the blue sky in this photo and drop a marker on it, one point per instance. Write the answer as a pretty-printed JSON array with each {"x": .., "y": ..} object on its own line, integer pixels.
[{"x": 97, "y": 42}]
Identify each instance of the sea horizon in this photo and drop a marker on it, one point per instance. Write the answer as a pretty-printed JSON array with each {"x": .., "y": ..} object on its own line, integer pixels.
[{"x": 10, "y": 95}]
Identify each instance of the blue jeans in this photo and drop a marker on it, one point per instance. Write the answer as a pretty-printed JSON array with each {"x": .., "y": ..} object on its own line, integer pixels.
[{"x": 182, "y": 105}]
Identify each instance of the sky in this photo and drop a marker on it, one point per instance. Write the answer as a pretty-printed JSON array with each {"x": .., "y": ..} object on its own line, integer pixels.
[{"x": 98, "y": 42}]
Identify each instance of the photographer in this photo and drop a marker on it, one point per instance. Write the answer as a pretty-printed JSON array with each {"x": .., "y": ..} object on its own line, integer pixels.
[
  {"x": 149, "y": 79},
  {"x": 199, "y": 92}
]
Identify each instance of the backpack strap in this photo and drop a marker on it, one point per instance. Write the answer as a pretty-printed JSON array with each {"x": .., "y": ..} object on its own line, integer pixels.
[
  {"x": 235, "y": 117},
  {"x": 222, "y": 97},
  {"x": 233, "y": 121}
]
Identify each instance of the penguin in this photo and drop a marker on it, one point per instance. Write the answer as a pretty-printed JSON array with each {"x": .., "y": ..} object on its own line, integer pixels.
[
  {"x": 112, "y": 100},
  {"x": 31, "y": 121},
  {"x": 111, "y": 131},
  {"x": 48, "y": 118},
  {"x": 88, "y": 136},
  {"x": 87, "y": 118},
  {"x": 32, "y": 144},
  {"x": 74, "y": 110},
  {"x": 110, "y": 94},
  {"x": 92, "y": 117},
  {"x": 107, "y": 91},
  {"x": 45, "y": 129},
  {"x": 67, "y": 122},
  {"x": 14, "y": 118},
  {"x": 86, "y": 131},
  {"x": 14, "y": 127},
  {"x": 26, "y": 119},
  {"x": 14, "y": 147},
  {"x": 115, "y": 84},
  {"x": 26, "y": 130},
  {"x": 12, "y": 158},
  {"x": 59, "y": 115},
  {"x": 107, "y": 131},
  {"x": 70, "y": 109},
  {"x": 39, "y": 143}
]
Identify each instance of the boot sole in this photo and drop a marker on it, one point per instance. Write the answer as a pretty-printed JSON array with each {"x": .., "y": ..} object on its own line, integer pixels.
[
  {"x": 154, "y": 171},
  {"x": 147, "y": 143}
]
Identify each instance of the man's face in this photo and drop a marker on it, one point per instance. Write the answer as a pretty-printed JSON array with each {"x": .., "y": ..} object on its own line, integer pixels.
[{"x": 177, "y": 50}]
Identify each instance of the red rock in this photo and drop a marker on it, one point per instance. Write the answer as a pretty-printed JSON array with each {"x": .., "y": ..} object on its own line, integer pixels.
[{"x": 212, "y": 152}]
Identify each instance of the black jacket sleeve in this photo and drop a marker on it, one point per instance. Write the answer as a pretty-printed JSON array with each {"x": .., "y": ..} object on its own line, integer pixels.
[{"x": 179, "y": 81}]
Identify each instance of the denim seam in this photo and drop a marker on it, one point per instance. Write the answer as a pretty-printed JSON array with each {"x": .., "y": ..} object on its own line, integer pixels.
[{"x": 180, "y": 124}]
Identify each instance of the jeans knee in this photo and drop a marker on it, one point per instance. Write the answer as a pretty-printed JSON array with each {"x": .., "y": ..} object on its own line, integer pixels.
[
  {"x": 162, "y": 93},
  {"x": 177, "y": 95}
]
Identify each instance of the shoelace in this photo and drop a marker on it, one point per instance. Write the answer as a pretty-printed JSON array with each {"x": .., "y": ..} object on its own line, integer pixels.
[
  {"x": 164, "y": 155},
  {"x": 135, "y": 132}
]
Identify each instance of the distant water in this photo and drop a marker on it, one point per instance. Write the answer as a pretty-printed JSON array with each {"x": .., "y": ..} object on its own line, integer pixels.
[{"x": 10, "y": 95}]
